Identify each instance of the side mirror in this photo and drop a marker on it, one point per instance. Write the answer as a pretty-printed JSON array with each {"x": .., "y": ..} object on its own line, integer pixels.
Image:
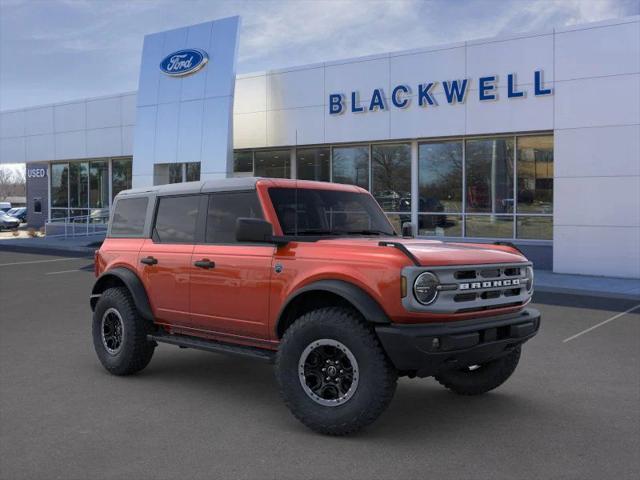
[
  {"x": 407, "y": 229},
  {"x": 253, "y": 230}
]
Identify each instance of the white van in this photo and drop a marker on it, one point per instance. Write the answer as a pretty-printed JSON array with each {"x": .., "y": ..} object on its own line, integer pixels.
[{"x": 5, "y": 206}]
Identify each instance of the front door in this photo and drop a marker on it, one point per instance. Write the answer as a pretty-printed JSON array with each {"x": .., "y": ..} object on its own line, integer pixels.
[
  {"x": 230, "y": 281},
  {"x": 164, "y": 261}
]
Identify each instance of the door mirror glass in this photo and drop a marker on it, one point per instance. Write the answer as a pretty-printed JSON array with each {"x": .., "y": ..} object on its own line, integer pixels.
[{"x": 253, "y": 230}]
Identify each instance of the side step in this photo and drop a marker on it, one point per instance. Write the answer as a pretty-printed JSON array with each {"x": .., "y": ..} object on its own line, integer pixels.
[{"x": 186, "y": 341}]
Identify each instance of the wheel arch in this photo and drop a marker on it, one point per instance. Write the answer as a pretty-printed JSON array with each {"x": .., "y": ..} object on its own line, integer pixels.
[
  {"x": 329, "y": 293},
  {"x": 123, "y": 277}
]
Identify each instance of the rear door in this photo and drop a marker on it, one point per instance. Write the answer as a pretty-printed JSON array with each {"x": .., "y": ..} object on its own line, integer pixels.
[
  {"x": 230, "y": 281},
  {"x": 165, "y": 258}
]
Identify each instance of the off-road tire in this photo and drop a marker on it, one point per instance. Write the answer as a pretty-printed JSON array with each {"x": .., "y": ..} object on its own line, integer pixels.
[
  {"x": 488, "y": 376},
  {"x": 377, "y": 376},
  {"x": 136, "y": 351}
]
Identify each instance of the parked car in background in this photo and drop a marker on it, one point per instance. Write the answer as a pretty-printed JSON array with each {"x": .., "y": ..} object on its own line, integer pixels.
[
  {"x": 5, "y": 206},
  {"x": 8, "y": 222},
  {"x": 20, "y": 213}
]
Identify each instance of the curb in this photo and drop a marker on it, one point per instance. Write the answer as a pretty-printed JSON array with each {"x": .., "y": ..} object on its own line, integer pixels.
[
  {"x": 587, "y": 293},
  {"x": 44, "y": 250}
]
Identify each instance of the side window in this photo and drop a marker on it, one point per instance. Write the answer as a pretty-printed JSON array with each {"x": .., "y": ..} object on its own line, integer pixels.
[
  {"x": 224, "y": 209},
  {"x": 129, "y": 216},
  {"x": 176, "y": 219}
]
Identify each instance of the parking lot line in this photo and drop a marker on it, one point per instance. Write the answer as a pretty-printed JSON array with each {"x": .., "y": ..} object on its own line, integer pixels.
[
  {"x": 66, "y": 271},
  {"x": 568, "y": 339},
  {"x": 38, "y": 261}
]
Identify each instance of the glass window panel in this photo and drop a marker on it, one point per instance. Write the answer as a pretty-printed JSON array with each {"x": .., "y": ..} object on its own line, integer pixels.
[
  {"x": 534, "y": 228},
  {"x": 392, "y": 176},
  {"x": 272, "y": 164},
  {"x": 313, "y": 164},
  {"x": 98, "y": 184},
  {"x": 397, "y": 219},
  {"x": 79, "y": 215},
  {"x": 491, "y": 226},
  {"x": 535, "y": 174},
  {"x": 440, "y": 225},
  {"x": 59, "y": 213},
  {"x": 79, "y": 184},
  {"x": 176, "y": 219},
  {"x": 120, "y": 175},
  {"x": 440, "y": 177},
  {"x": 193, "y": 171},
  {"x": 351, "y": 165},
  {"x": 60, "y": 185},
  {"x": 225, "y": 209},
  {"x": 243, "y": 162},
  {"x": 165, "y": 173},
  {"x": 129, "y": 216},
  {"x": 489, "y": 171}
]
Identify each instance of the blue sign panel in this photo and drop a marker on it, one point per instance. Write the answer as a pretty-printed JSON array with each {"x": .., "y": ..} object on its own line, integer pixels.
[{"x": 184, "y": 62}]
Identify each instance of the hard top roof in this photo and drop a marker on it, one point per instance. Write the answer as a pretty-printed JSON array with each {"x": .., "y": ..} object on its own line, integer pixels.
[{"x": 229, "y": 185}]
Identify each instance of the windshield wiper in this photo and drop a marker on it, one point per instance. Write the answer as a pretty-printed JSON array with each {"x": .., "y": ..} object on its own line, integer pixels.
[
  {"x": 343, "y": 232},
  {"x": 316, "y": 232},
  {"x": 363, "y": 232}
]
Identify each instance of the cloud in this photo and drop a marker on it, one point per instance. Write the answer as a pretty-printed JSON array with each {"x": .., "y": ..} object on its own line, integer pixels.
[{"x": 71, "y": 49}]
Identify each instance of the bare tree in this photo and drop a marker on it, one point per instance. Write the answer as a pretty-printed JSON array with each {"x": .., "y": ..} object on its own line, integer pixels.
[{"x": 12, "y": 183}]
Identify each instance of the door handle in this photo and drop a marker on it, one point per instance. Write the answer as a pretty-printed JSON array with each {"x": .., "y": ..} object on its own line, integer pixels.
[
  {"x": 205, "y": 263},
  {"x": 149, "y": 261}
]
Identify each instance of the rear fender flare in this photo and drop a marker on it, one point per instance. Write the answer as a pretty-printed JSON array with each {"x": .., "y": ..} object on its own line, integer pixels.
[{"x": 131, "y": 281}]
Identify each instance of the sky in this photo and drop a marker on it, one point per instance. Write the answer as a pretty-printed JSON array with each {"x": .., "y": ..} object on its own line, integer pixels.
[{"x": 59, "y": 50}]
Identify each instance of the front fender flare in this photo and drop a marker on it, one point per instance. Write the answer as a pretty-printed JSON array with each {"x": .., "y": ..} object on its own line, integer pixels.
[
  {"x": 360, "y": 299},
  {"x": 133, "y": 284}
]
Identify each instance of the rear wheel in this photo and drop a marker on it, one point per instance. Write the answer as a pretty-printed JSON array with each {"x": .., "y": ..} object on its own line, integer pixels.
[
  {"x": 332, "y": 372},
  {"x": 479, "y": 379},
  {"x": 120, "y": 333}
]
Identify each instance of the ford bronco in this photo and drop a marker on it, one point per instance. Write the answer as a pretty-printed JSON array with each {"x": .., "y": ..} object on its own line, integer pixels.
[{"x": 312, "y": 277}]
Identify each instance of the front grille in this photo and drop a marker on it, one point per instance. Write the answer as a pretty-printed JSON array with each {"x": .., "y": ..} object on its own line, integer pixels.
[{"x": 473, "y": 288}]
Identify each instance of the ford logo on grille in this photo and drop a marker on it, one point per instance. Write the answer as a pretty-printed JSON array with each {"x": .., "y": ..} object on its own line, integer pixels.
[{"x": 184, "y": 62}]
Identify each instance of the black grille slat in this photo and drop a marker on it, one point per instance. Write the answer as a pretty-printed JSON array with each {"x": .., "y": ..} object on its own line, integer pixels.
[{"x": 493, "y": 273}]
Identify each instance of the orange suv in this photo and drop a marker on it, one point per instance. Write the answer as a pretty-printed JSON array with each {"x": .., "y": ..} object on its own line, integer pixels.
[{"x": 313, "y": 277}]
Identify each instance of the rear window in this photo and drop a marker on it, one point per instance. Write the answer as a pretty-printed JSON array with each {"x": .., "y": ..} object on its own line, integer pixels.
[
  {"x": 129, "y": 216},
  {"x": 176, "y": 219}
]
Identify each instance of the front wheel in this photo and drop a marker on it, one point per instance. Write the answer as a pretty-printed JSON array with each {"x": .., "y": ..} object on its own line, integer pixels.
[
  {"x": 332, "y": 372},
  {"x": 479, "y": 379}
]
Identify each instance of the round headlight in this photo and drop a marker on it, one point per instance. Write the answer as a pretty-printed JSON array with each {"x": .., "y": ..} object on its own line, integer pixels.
[
  {"x": 529, "y": 279},
  {"x": 425, "y": 288}
]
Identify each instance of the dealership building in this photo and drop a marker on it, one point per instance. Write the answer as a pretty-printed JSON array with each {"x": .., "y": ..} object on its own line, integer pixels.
[{"x": 531, "y": 138}]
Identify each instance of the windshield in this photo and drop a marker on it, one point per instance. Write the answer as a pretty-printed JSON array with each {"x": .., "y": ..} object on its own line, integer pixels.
[{"x": 328, "y": 212}]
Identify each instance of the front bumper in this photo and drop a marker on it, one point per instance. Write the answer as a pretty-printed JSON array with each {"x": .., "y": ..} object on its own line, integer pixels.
[{"x": 426, "y": 349}]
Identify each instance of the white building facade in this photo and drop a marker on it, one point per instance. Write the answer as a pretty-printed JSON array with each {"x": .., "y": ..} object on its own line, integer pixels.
[{"x": 531, "y": 138}]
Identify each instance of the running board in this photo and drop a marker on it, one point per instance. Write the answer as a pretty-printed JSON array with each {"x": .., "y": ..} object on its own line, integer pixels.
[{"x": 186, "y": 341}]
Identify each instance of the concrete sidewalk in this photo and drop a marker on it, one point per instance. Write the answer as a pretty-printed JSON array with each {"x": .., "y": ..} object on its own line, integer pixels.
[
  {"x": 622, "y": 288},
  {"x": 80, "y": 246}
]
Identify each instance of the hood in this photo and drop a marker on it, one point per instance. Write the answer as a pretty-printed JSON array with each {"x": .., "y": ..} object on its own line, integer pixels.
[{"x": 438, "y": 253}]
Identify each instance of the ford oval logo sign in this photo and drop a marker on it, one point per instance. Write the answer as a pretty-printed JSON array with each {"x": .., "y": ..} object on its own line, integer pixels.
[{"x": 184, "y": 62}]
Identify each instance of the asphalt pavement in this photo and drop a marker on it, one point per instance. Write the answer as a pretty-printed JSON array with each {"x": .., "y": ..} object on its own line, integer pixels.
[{"x": 571, "y": 410}]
